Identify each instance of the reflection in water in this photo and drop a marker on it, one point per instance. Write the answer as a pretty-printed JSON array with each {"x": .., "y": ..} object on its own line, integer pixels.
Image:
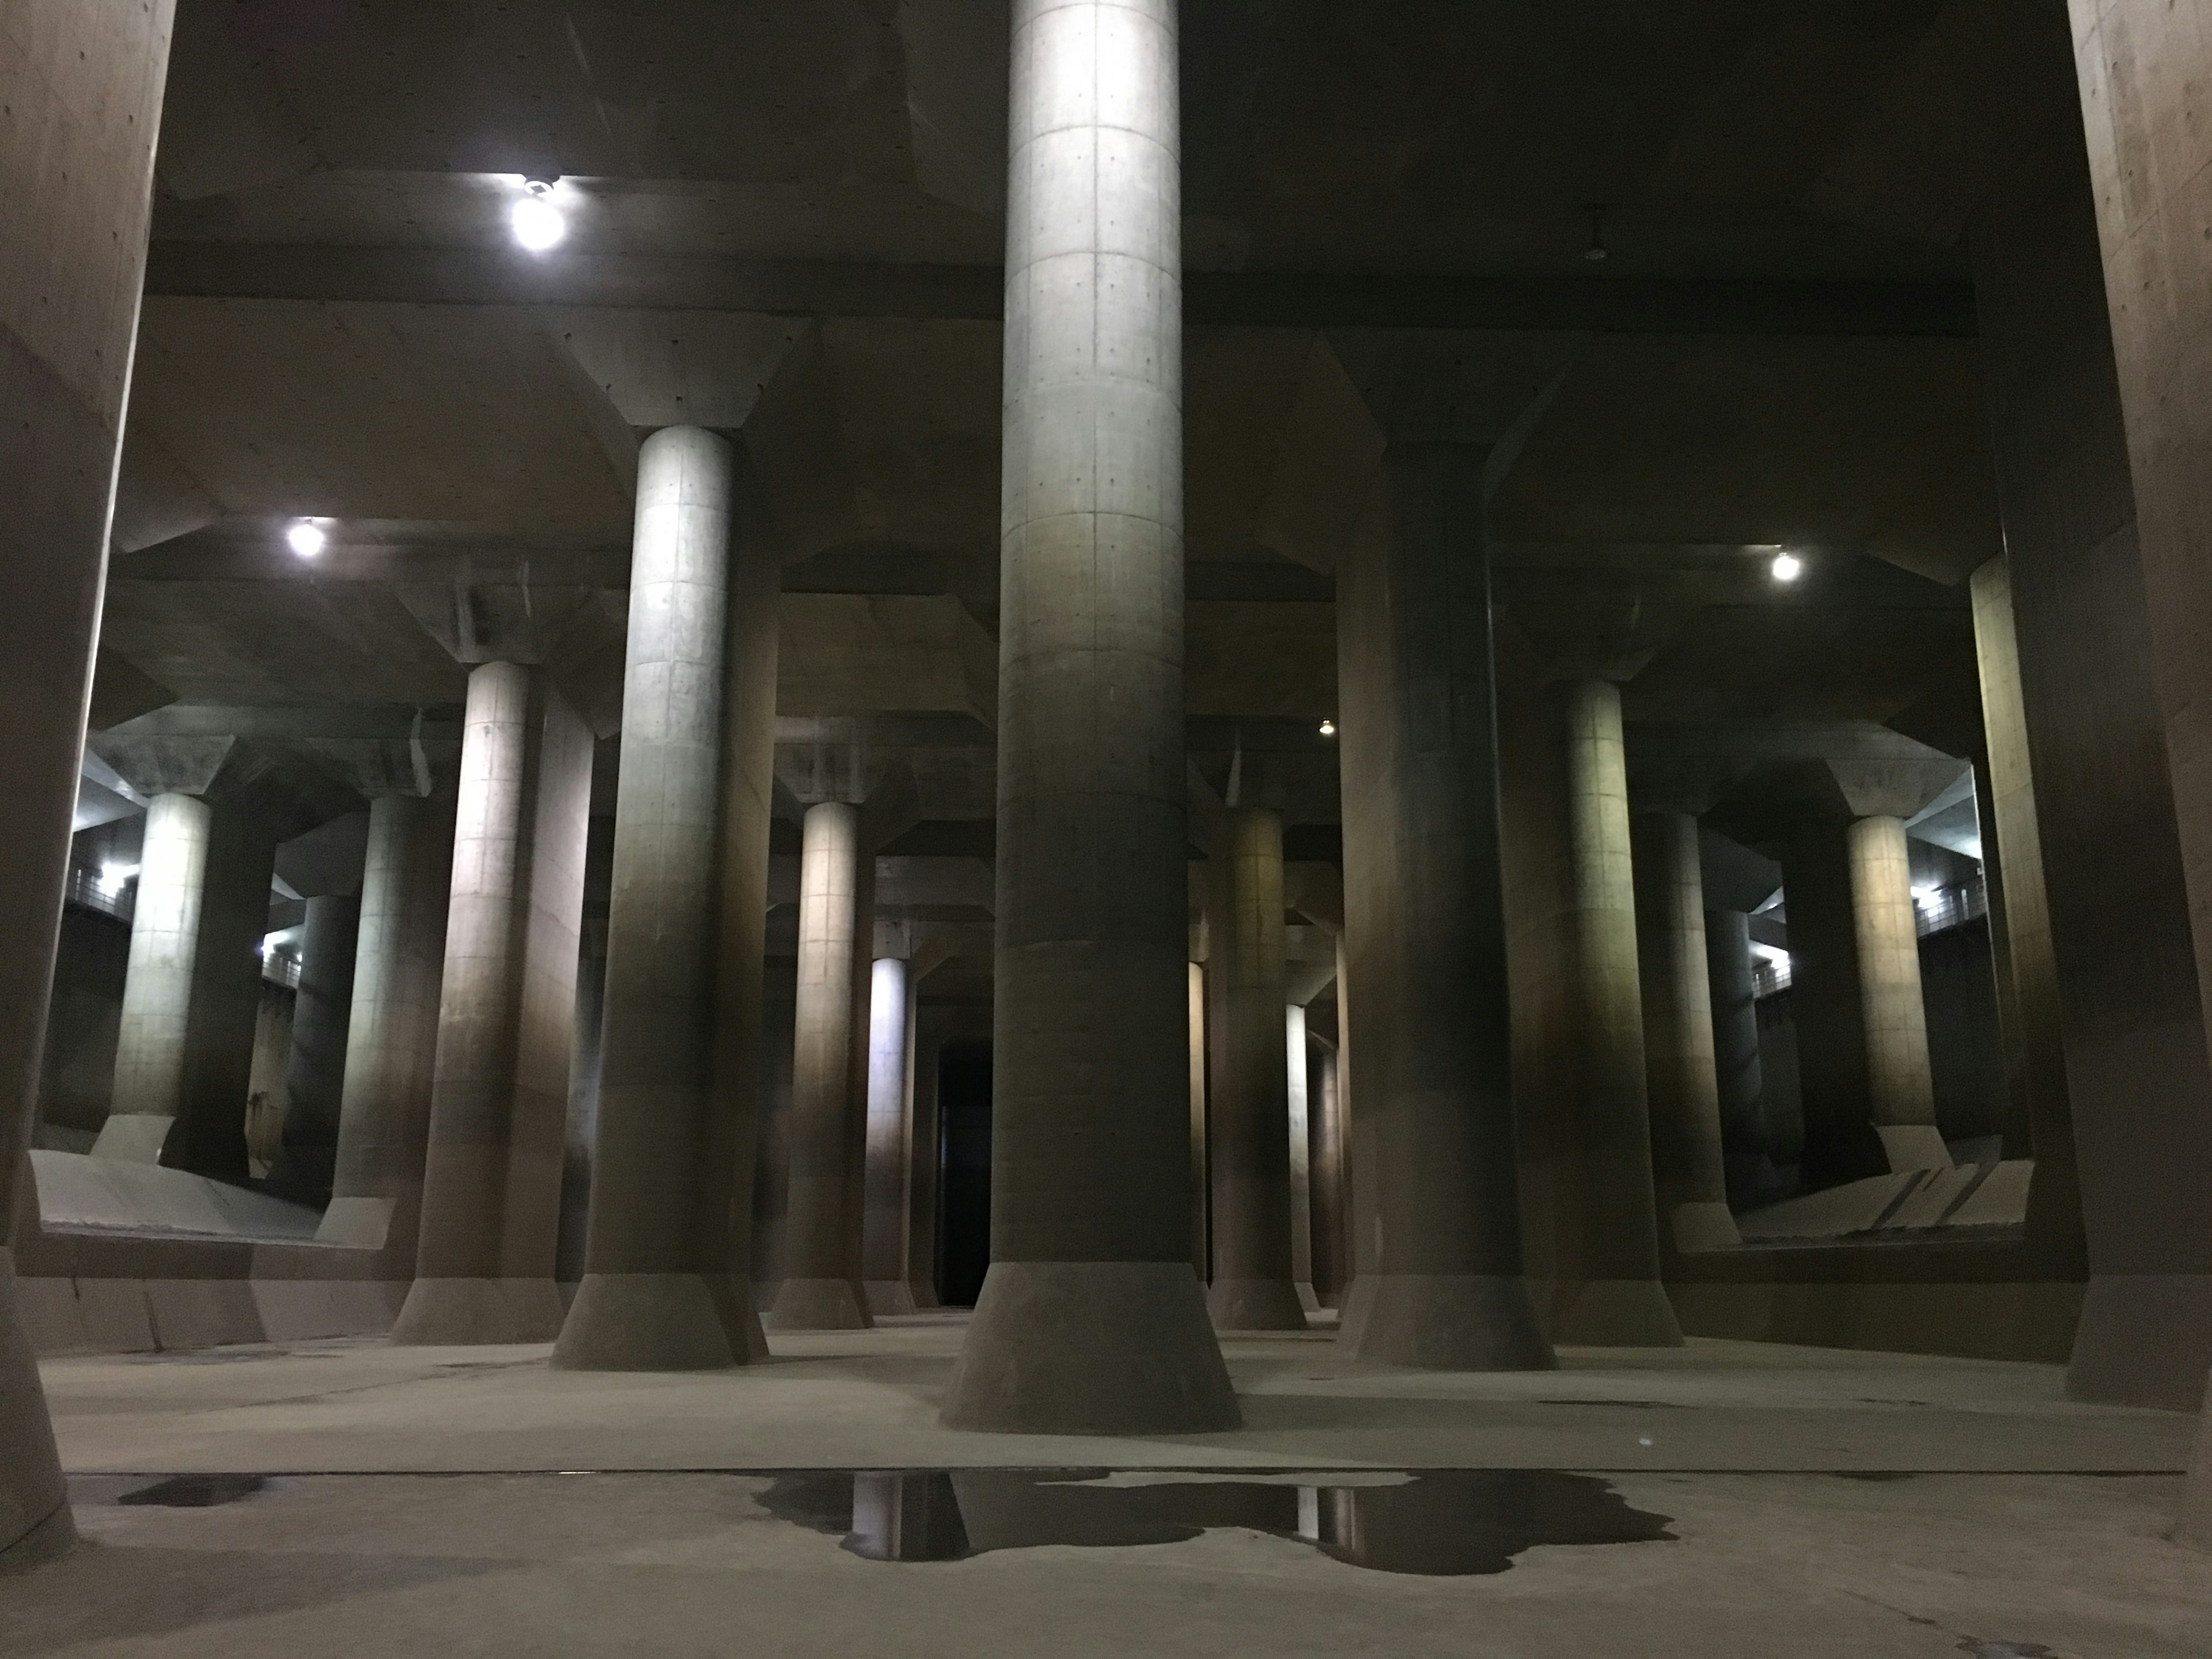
[
  {"x": 1439, "y": 1523},
  {"x": 196, "y": 1492}
]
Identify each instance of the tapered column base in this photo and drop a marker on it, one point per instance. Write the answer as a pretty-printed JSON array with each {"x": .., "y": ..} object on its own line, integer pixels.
[
  {"x": 888, "y": 1296},
  {"x": 819, "y": 1304},
  {"x": 1255, "y": 1304},
  {"x": 1092, "y": 1347},
  {"x": 1617, "y": 1313},
  {"x": 34, "y": 1514},
  {"x": 459, "y": 1313},
  {"x": 659, "y": 1322},
  {"x": 1444, "y": 1322},
  {"x": 2196, "y": 1494},
  {"x": 1706, "y": 1226}
]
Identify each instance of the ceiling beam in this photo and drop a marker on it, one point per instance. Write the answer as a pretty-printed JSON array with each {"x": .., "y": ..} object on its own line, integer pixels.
[{"x": 1618, "y": 305}]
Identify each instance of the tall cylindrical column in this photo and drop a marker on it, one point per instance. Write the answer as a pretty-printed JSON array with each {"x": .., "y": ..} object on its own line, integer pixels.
[
  {"x": 384, "y": 1115},
  {"x": 499, "y": 1099},
  {"x": 1732, "y": 982},
  {"x": 76, "y": 159},
  {"x": 1089, "y": 1320},
  {"x": 665, "y": 1283},
  {"x": 1249, "y": 1156},
  {"x": 1436, "y": 1158},
  {"x": 1612, "y": 1295},
  {"x": 1327, "y": 1165},
  {"x": 1900, "y": 1085},
  {"x": 821, "y": 1290},
  {"x": 157, "y": 988},
  {"x": 314, "y": 1078},
  {"x": 1687, "y": 1162},
  {"x": 923, "y": 1054},
  {"x": 1201, "y": 1242},
  {"x": 1297, "y": 1060},
  {"x": 888, "y": 1181}
]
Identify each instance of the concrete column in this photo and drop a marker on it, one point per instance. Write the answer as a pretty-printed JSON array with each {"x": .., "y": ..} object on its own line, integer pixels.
[
  {"x": 923, "y": 1054},
  {"x": 2100, "y": 623},
  {"x": 1250, "y": 1098},
  {"x": 1688, "y": 1164},
  {"x": 1089, "y": 1320},
  {"x": 1733, "y": 986},
  {"x": 83, "y": 90},
  {"x": 2038, "y": 1023},
  {"x": 210, "y": 1136},
  {"x": 1435, "y": 1152},
  {"x": 1861, "y": 1033},
  {"x": 498, "y": 1099},
  {"x": 1900, "y": 1085},
  {"x": 314, "y": 1078},
  {"x": 1201, "y": 1240},
  {"x": 1611, "y": 1294},
  {"x": 889, "y": 1181},
  {"x": 384, "y": 1114},
  {"x": 1327, "y": 1165},
  {"x": 157, "y": 990},
  {"x": 2196, "y": 1500},
  {"x": 1300, "y": 1096},
  {"x": 821, "y": 1288},
  {"x": 666, "y": 1280}
]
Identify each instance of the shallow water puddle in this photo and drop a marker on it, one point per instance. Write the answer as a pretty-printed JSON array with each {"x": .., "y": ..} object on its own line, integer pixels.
[{"x": 1434, "y": 1522}]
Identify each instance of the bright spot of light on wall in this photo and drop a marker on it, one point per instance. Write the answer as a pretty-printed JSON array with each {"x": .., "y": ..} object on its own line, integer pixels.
[
  {"x": 308, "y": 538},
  {"x": 114, "y": 877},
  {"x": 1925, "y": 898},
  {"x": 1787, "y": 567},
  {"x": 539, "y": 225},
  {"x": 1329, "y": 728}
]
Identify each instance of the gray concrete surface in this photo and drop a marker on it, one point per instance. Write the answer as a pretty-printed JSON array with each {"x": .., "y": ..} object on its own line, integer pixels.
[
  {"x": 665, "y": 1271},
  {"x": 1090, "y": 1315},
  {"x": 1247, "y": 1102},
  {"x": 384, "y": 1113},
  {"x": 1689, "y": 1165},
  {"x": 164, "y": 924},
  {"x": 1811, "y": 1565},
  {"x": 1436, "y": 1207},
  {"x": 1611, "y": 1291},
  {"x": 821, "y": 1288},
  {"x": 491, "y": 1189}
]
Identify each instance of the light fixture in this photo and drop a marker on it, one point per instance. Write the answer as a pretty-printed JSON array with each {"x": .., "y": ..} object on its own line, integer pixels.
[
  {"x": 1787, "y": 567},
  {"x": 113, "y": 877},
  {"x": 539, "y": 225},
  {"x": 1925, "y": 898},
  {"x": 1329, "y": 728},
  {"x": 308, "y": 538}
]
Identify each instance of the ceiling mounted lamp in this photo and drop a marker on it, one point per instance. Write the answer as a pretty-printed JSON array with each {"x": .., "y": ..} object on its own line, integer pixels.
[
  {"x": 537, "y": 220},
  {"x": 308, "y": 538},
  {"x": 1329, "y": 728},
  {"x": 1786, "y": 567}
]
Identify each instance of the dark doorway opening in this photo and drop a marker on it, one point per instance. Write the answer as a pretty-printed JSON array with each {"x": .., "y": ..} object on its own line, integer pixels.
[{"x": 964, "y": 1219}]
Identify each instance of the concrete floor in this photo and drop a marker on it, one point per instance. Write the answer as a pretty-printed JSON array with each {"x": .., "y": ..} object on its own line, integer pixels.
[{"x": 425, "y": 1508}]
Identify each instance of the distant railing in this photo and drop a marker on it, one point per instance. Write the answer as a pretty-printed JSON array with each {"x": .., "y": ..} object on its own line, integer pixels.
[
  {"x": 1935, "y": 910},
  {"x": 279, "y": 968},
  {"x": 89, "y": 889}
]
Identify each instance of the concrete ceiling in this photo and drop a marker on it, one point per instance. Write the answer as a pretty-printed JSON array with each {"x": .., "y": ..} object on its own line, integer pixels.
[{"x": 787, "y": 223}]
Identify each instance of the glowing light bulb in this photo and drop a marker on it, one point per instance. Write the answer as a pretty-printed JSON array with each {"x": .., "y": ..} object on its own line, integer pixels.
[
  {"x": 1787, "y": 567},
  {"x": 1329, "y": 728},
  {"x": 539, "y": 226},
  {"x": 308, "y": 538}
]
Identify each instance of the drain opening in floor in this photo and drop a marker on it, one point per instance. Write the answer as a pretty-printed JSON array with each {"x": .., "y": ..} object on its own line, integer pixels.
[{"x": 1436, "y": 1524}]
